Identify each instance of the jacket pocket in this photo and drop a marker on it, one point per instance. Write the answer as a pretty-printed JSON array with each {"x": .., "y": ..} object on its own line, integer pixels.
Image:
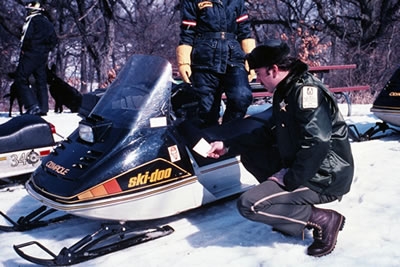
[
  {"x": 236, "y": 54},
  {"x": 332, "y": 167},
  {"x": 204, "y": 52}
]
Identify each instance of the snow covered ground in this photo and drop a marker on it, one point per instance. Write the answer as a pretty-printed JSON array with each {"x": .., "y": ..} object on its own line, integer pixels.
[{"x": 216, "y": 235}]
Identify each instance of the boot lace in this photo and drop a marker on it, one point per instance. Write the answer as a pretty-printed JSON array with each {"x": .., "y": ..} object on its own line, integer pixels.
[{"x": 317, "y": 230}]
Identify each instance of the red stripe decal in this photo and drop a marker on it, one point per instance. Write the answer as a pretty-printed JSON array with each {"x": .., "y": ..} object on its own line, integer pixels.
[
  {"x": 44, "y": 153},
  {"x": 112, "y": 187}
]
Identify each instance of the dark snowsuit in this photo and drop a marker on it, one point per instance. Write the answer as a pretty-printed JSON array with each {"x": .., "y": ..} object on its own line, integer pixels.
[
  {"x": 38, "y": 40},
  {"x": 215, "y": 29}
]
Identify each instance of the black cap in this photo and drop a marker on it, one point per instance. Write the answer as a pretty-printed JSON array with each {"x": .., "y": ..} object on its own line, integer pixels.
[{"x": 269, "y": 53}]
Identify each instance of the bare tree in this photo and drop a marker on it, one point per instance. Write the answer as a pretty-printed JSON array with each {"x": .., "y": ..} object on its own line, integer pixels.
[
  {"x": 97, "y": 36},
  {"x": 144, "y": 26},
  {"x": 338, "y": 31}
]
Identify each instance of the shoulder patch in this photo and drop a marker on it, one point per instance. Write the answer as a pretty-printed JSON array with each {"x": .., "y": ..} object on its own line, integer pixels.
[
  {"x": 205, "y": 4},
  {"x": 309, "y": 97}
]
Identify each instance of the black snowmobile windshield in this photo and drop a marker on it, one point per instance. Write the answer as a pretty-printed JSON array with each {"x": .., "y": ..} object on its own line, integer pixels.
[{"x": 139, "y": 95}]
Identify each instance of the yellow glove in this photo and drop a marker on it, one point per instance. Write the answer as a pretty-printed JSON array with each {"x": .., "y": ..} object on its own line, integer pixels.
[
  {"x": 183, "y": 57},
  {"x": 248, "y": 45}
]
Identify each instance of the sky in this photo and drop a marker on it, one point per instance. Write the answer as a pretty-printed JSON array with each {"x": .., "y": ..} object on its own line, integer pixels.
[{"x": 216, "y": 235}]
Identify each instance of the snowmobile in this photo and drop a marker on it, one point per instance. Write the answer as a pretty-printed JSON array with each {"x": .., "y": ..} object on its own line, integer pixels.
[
  {"x": 387, "y": 105},
  {"x": 387, "y": 108},
  {"x": 24, "y": 141},
  {"x": 133, "y": 158}
]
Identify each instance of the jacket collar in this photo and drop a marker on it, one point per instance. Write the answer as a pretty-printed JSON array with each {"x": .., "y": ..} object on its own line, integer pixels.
[{"x": 296, "y": 72}]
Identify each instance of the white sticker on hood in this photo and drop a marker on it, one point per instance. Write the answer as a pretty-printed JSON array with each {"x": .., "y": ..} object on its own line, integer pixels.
[{"x": 158, "y": 122}]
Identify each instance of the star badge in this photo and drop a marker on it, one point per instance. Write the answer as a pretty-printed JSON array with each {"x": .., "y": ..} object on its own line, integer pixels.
[{"x": 283, "y": 105}]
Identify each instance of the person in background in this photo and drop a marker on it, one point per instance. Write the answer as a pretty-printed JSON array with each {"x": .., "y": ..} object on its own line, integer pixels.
[
  {"x": 37, "y": 40},
  {"x": 214, "y": 39},
  {"x": 312, "y": 143}
]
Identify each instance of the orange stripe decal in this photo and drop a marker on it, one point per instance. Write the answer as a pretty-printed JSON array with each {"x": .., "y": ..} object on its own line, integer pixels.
[
  {"x": 85, "y": 195},
  {"x": 99, "y": 191}
]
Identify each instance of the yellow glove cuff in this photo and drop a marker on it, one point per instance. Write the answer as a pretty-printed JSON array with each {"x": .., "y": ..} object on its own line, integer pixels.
[
  {"x": 248, "y": 45},
  {"x": 183, "y": 57},
  {"x": 183, "y": 54}
]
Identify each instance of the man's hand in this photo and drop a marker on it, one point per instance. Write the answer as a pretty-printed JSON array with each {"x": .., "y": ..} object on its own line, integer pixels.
[
  {"x": 183, "y": 53},
  {"x": 247, "y": 46},
  {"x": 217, "y": 149},
  {"x": 278, "y": 177},
  {"x": 185, "y": 71}
]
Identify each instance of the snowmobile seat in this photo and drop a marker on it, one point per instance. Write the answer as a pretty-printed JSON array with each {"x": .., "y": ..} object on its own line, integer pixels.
[{"x": 25, "y": 132}]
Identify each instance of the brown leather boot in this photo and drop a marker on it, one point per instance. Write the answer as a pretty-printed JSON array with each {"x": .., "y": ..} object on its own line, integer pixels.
[{"x": 326, "y": 225}]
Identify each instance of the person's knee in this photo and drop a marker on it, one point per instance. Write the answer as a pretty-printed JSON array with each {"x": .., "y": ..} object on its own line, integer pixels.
[
  {"x": 244, "y": 206},
  {"x": 239, "y": 101}
]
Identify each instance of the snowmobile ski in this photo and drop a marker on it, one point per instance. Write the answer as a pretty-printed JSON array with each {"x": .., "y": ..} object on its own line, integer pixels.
[
  {"x": 32, "y": 220},
  {"x": 371, "y": 133},
  {"x": 109, "y": 238},
  {"x": 10, "y": 184}
]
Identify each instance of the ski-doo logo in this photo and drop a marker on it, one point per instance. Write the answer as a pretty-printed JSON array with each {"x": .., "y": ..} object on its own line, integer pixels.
[
  {"x": 147, "y": 178},
  {"x": 57, "y": 168}
]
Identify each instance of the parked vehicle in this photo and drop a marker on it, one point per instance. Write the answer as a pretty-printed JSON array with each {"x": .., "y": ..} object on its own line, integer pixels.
[
  {"x": 387, "y": 105},
  {"x": 387, "y": 108},
  {"x": 131, "y": 159},
  {"x": 24, "y": 141}
]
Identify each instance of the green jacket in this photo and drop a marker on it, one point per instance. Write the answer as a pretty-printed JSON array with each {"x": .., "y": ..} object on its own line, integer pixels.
[
  {"x": 307, "y": 134},
  {"x": 312, "y": 136}
]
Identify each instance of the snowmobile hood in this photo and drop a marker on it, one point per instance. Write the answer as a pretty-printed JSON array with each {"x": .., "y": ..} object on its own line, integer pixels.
[
  {"x": 135, "y": 137},
  {"x": 387, "y": 105},
  {"x": 389, "y": 97}
]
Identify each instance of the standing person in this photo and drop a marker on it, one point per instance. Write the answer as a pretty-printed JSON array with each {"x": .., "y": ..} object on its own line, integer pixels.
[
  {"x": 38, "y": 39},
  {"x": 215, "y": 37},
  {"x": 316, "y": 159}
]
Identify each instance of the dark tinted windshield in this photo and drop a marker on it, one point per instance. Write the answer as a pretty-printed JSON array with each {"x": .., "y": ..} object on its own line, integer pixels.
[{"x": 140, "y": 92}]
